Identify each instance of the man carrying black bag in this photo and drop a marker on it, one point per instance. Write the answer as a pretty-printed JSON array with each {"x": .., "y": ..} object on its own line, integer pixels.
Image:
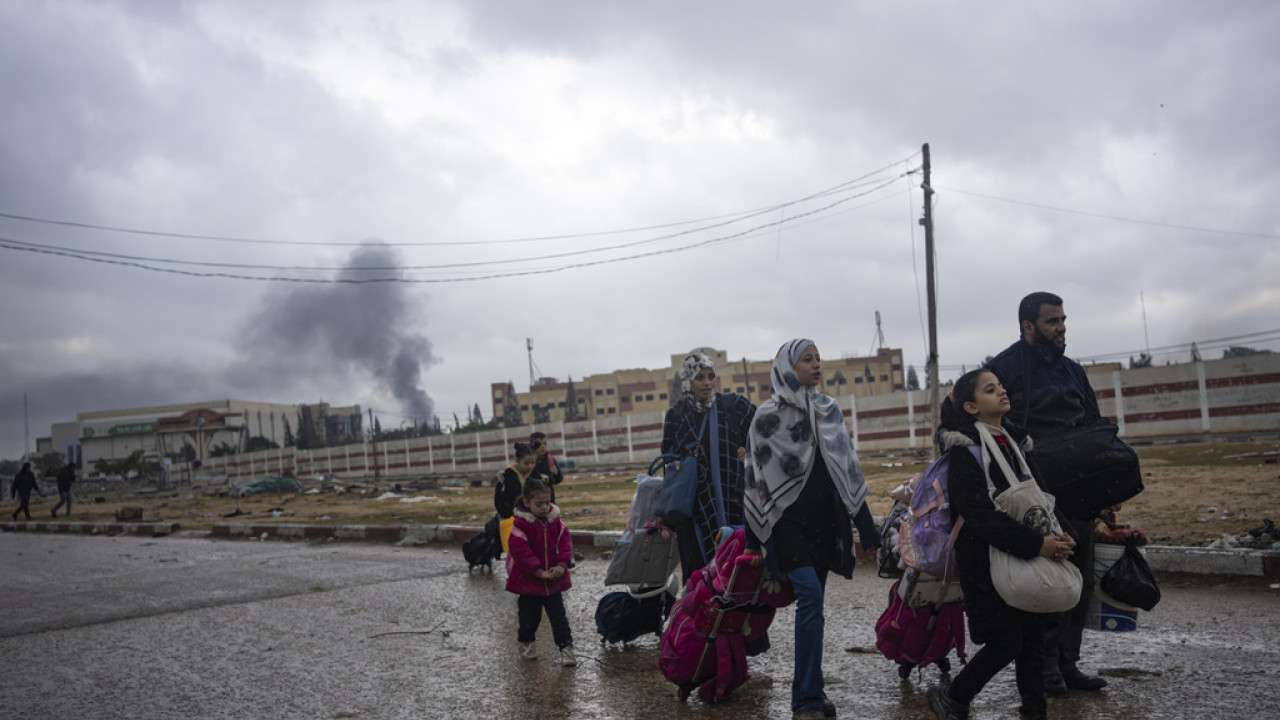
[{"x": 1051, "y": 398}]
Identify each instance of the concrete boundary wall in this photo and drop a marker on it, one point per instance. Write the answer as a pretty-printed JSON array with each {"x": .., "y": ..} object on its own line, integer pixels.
[
  {"x": 1229, "y": 396},
  {"x": 153, "y": 529}
]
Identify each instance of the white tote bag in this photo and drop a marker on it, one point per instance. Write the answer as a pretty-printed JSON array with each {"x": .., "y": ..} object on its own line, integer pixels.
[{"x": 1037, "y": 585}]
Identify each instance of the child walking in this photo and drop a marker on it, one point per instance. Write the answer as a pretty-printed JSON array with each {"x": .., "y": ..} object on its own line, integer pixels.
[
  {"x": 538, "y": 557},
  {"x": 973, "y": 415}
]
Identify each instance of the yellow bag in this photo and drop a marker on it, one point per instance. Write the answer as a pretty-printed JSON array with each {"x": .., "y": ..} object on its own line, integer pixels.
[{"x": 504, "y": 531}]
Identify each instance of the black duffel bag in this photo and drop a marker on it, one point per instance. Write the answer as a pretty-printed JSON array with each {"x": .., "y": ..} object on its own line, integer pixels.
[{"x": 1088, "y": 468}]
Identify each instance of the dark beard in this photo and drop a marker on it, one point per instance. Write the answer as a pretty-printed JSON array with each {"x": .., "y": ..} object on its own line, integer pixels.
[{"x": 1047, "y": 346}]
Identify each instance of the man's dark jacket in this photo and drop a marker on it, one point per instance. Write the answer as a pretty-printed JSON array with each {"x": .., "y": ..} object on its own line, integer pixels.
[
  {"x": 1046, "y": 393},
  {"x": 66, "y": 476}
]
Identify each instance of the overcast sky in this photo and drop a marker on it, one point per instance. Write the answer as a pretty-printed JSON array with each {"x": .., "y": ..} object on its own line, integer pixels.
[{"x": 619, "y": 181}]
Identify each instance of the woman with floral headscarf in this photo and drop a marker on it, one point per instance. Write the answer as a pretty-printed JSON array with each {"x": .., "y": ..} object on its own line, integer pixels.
[
  {"x": 716, "y": 424},
  {"x": 803, "y": 485}
]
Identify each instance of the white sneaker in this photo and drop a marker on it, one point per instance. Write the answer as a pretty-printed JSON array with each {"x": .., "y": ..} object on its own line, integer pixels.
[
  {"x": 567, "y": 658},
  {"x": 528, "y": 651}
]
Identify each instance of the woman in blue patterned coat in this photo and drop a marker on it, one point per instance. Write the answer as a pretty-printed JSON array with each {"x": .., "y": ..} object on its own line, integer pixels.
[{"x": 720, "y": 456}]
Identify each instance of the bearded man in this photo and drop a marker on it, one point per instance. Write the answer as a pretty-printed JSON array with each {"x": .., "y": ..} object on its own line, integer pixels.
[{"x": 1049, "y": 393}]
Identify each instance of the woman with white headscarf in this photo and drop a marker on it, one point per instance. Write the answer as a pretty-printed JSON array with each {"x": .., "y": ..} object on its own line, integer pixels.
[
  {"x": 803, "y": 486},
  {"x": 716, "y": 424}
]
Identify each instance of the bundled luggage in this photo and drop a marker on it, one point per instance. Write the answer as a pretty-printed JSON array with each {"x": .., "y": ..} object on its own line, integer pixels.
[
  {"x": 644, "y": 559},
  {"x": 924, "y": 619},
  {"x": 888, "y": 556},
  {"x": 923, "y": 634},
  {"x": 728, "y": 603},
  {"x": 644, "y": 555},
  {"x": 484, "y": 547},
  {"x": 625, "y": 615}
]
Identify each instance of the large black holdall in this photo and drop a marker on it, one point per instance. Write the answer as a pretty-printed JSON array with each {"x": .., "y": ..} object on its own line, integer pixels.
[{"x": 1088, "y": 468}]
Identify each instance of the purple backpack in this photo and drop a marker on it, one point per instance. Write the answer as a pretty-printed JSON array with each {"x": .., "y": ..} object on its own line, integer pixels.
[{"x": 927, "y": 536}]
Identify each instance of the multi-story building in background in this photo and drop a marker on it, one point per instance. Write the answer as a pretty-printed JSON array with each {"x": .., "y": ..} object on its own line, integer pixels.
[
  {"x": 165, "y": 429},
  {"x": 324, "y": 425},
  {"x": 623, "y": 392}
]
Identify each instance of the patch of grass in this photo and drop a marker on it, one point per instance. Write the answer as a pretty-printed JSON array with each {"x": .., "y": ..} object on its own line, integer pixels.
[{"x": 1225, "y": 454}]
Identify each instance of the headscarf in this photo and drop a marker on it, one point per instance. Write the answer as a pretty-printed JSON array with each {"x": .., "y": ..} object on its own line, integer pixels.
[
  {"x": 693, "y": 363},
  {"x": 783, "y": 441}
]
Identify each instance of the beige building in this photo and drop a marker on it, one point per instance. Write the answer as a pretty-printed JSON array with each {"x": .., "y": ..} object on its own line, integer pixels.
[
  {"x": 164, "y": 429},
  {"x": 624, "y": 392}
]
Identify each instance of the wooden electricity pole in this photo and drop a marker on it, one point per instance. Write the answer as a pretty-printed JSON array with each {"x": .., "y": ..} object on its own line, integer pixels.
[{"x": 927, "y": 222}]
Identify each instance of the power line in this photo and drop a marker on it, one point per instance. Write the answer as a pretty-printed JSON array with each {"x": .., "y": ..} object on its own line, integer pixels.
[
  {"x": 266, "y": 241},
  {"x": 140, "y": 262},
  {"x": 1116, "y": 218}
]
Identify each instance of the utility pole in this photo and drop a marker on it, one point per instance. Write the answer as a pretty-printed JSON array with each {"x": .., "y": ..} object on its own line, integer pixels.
[
  {"x": 373, "y": 447},
  {"x": 927, "y": 222},
  {"x": 747, "y": 377}
]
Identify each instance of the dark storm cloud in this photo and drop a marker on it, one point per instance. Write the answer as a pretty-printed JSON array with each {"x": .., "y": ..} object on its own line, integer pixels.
[{"x": 57, "y": 398}]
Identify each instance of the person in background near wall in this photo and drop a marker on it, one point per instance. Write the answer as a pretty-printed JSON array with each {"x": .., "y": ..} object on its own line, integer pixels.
[
  {"x": 717, "y": 425},
  {"x": 1048, "y": 393},
  {"x": 511, "y": 483},
  {"x": 804, "y": 484},
  {"x": 544, "y": 465},
  {"x": 66, "y": 476},
  {"x": 23, "y": 483}
]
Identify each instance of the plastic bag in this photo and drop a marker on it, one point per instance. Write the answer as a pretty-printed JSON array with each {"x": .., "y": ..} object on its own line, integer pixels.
[{"x": 1130, "y": 581}]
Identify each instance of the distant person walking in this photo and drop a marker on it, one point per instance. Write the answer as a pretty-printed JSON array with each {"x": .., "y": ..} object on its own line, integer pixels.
[
  {"x": 544, "y": 465},
  {"x": 23, "y": 483},
  {"x": 66, "y": 476}
]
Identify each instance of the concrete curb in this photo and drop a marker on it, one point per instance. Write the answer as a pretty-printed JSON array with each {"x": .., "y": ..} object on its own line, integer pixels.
[
  {"x": 1161, "y": 558},
  {"x": 1213, "y": 561},
  {"x": 90, "y": 528},
  {"x": 388, "y": 533}
]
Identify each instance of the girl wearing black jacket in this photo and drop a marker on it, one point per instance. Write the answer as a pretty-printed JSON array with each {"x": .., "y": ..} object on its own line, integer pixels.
[
  {"x": 511, "y": 482},
  {"x": 1008, "y": 634}
]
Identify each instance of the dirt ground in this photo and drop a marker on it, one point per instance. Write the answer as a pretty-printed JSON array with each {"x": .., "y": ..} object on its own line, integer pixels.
[{"x": 1195, "y": 492}]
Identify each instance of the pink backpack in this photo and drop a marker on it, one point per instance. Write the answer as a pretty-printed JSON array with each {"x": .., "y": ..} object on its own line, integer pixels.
[
  {"x": 915, "y": 637},
  {"x": 725, "y": 604},
  {"x": 926, "y": 537}
]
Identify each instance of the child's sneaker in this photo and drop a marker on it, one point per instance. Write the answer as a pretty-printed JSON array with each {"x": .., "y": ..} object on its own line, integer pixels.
[
  {"x": 528, "y": 651},
  {"x": 567, "y": 658}
]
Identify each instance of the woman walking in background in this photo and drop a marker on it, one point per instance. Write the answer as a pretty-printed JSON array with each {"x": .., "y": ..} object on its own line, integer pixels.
[{"x": 716, "y": 425}]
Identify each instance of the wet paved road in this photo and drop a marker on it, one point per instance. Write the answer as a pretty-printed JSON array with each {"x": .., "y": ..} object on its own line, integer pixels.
[{"x": 186, "y": 627}]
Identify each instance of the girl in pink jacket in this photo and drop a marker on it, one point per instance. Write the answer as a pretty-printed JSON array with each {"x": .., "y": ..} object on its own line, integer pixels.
[{"x": 538, "y": 556}]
